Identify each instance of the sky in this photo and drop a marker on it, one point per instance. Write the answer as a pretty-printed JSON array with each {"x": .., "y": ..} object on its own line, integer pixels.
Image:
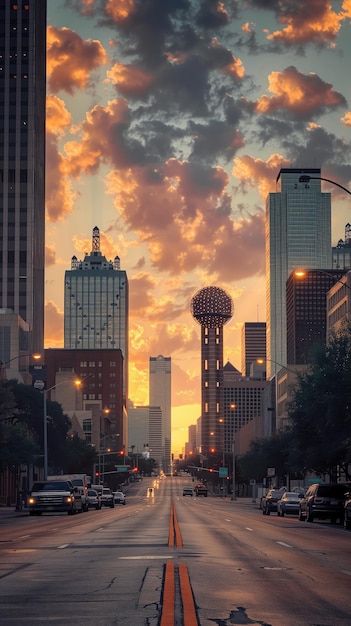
[{"x": 167, "y": 124}]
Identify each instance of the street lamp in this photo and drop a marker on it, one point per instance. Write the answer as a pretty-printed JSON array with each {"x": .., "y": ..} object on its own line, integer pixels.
[
  {"x": 300, "y": 273},
  {"x": 45, "y": 425},
  {"x": 262, "y": 361},
  {"x": 306, "y": 179},
  {"x": 3, "y": 364}
]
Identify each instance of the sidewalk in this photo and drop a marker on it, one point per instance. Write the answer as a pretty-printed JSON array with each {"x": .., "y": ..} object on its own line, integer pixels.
[{"x": 6, "y": 512}]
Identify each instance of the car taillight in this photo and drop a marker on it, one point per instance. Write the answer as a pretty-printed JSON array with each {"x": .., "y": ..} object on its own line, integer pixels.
[{"x": 318, "y": 500}]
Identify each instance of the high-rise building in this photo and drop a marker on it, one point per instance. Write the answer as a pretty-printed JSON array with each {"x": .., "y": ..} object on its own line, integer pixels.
[
  {"x": 342, "y": 251},
  {"x": 298, "y": 234},
  {"x": 96, "y": 305},
  {"x": 22, "y": 163},
  {"x": 306, "y": 312},
  {"x": 253, "y": 344},
  {"x": 160, "y": 395},
  {"x": 212, "y": 308}
]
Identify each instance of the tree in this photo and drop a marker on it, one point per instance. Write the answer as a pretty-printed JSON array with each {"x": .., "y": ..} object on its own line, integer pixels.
[{"x": 320, "y": 413}]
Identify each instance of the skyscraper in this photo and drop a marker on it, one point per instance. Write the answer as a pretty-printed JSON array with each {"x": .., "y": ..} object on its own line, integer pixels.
[
  {"x": 22, "y": 163},
  {"x": 96, "y": 305},
  {"x": 253, "y": 344},
  {"x": 212, "y": 308},
  {"x": 160, "y": 371},
  {"x": 298, "y": 234}
]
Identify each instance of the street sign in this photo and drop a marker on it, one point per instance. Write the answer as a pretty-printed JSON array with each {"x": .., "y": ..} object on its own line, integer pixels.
[
  {"x": 223, "y": 472},
  {"x": 122, "y": 468}
]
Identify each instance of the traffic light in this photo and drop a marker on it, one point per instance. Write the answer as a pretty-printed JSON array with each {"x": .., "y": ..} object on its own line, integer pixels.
[{"x": 97, "y": 474}]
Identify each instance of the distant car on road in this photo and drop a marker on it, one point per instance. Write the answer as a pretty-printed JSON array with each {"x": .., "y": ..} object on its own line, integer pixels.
[
  {"x": 107, "y": 498},
  {"x": 269, "y": 501},
  {"x": 93, "y": 499},
  {"x": 187, "y": 491},
  {"x": 289, "y": 503},
  {"x": 119, "y": 497}
]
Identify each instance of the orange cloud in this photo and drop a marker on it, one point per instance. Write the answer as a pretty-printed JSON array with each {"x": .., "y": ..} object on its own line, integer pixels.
[
  {"x": 346, "y": 119},
  {"x": 121, "y": 10},
  {"x": 59, "y": 195},
  {"x": 71, "y": 60},
  {"x": 50, "y": 255},
  {"x": 102, "y": 139},
  {"x": 314, "y": 22},
  {"x": 256, "y": 172},
  {"x": 53, "y": 326},
  {"x": 298, "y": 93},
  {"x": 130, "y": 80}
]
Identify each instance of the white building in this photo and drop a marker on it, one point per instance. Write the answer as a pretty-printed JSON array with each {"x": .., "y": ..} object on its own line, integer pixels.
[{"x": 160, "y": 383}]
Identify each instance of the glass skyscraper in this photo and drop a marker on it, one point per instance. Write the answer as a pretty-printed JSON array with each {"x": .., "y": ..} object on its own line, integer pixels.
[
  {"x": 22, "y": 163},
  {"x": 96, "y": 305},
  {"x": 298, "y": 234}
]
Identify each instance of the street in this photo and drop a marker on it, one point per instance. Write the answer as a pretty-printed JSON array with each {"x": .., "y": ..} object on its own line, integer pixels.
[{"x": 108, "y": 567}]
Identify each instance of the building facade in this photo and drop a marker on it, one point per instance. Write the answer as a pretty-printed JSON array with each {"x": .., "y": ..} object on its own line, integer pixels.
[
  {"x": 101, "y": 392},
  {"x": 253, "y": 344},
  {"x": 298, "y": 234},
  {"x": 22, "y": 163},
  {"x": 306, "y": 312},
  {"x": 96, "y": 305},
  {"x": 160, "y": 384}
]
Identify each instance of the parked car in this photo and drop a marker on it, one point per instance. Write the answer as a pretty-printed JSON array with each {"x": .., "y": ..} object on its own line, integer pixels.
[
  {"x": 187, "y": 491},
  {"x": 93, "y": 499},
  {"x": 324, "y": 501},
  {"x": 119, "y": 497},
  {"x": 347, "y": 511},
  {"x": 107, "y": 498},
  {"x": 269, "y": 501},
  {"x": 289, "y": 503}
]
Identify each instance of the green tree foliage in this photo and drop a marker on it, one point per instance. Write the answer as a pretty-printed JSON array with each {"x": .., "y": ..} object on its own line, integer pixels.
[
  {"x": 78, "y": 457},
  {"x": 320, "y": 413},
  {"x": 17, "y": 447}
]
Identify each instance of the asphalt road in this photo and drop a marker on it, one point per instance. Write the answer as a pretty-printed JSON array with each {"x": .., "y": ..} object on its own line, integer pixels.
[{"x": 108, "y": 567}]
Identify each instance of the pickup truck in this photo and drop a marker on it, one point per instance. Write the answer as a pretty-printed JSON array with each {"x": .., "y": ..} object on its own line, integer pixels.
[
  {"x": 54, "y": 496},
  {"x": 201, "y": 490}
]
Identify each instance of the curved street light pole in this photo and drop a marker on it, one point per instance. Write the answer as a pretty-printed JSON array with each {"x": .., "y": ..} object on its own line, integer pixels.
[{"x": 306, "y": 179}]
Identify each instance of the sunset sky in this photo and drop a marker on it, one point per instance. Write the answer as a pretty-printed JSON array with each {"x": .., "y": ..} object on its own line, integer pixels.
[{"x": 167, "y": 124}]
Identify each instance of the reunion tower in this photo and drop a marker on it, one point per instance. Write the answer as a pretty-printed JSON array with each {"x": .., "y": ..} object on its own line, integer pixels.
[{"x": 212, "y": 307}]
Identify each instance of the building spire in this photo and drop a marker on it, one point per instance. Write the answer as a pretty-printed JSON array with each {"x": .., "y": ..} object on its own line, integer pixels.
[{"x": 96, "y": 240}]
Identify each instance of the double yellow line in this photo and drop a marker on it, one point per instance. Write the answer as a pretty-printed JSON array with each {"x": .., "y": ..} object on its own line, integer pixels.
[{"x": 169, "y": 587}]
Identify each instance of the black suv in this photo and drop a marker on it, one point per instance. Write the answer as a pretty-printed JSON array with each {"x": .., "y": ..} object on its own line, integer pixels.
[
  {"x": 324, "y": 501},
  {"x": 269, "y": 501}
]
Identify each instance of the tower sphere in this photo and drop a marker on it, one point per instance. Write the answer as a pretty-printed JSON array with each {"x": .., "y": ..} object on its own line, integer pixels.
[{"x": 212, "y": 307}]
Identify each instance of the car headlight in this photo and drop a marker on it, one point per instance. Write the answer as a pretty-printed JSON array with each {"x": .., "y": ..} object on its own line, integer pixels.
[
  {"x": 31, "y": 500},
  {"x": 69, "y": 499}
]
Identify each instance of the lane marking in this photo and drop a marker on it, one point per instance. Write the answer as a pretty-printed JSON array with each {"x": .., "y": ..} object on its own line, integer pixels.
[
  {"x": 167, "y": 617},
  {"x": 345, "y": 571},
  {"x": 22, "y": 537},
  {"x": 147, "y": 556},
  {"x": 64, "y": 545},
  {"x": 189, "y": 613},
  {"x": 248, "y": 528},
  {"x": 286, "y": 545},
  {"x": 226, "y": 519}
]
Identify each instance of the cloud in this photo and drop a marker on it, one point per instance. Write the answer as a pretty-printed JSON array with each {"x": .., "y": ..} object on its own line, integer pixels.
[
  {"x": 50, "y": 255},
  {"x": 130, "y": 80},
  {"x": 254, "y": 172},
  {"x": 346, "y": 119},
  {"x": 308, "y": 22},
  {"x": 302, "y": 96},
  {"x": 71, "y": 60},
  {"x": 53, "y": 325},
  {"x": 59, "y": 195}
]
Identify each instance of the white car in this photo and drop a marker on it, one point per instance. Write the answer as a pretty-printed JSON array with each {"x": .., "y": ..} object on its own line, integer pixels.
[{"x": 119, "y": 497}]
